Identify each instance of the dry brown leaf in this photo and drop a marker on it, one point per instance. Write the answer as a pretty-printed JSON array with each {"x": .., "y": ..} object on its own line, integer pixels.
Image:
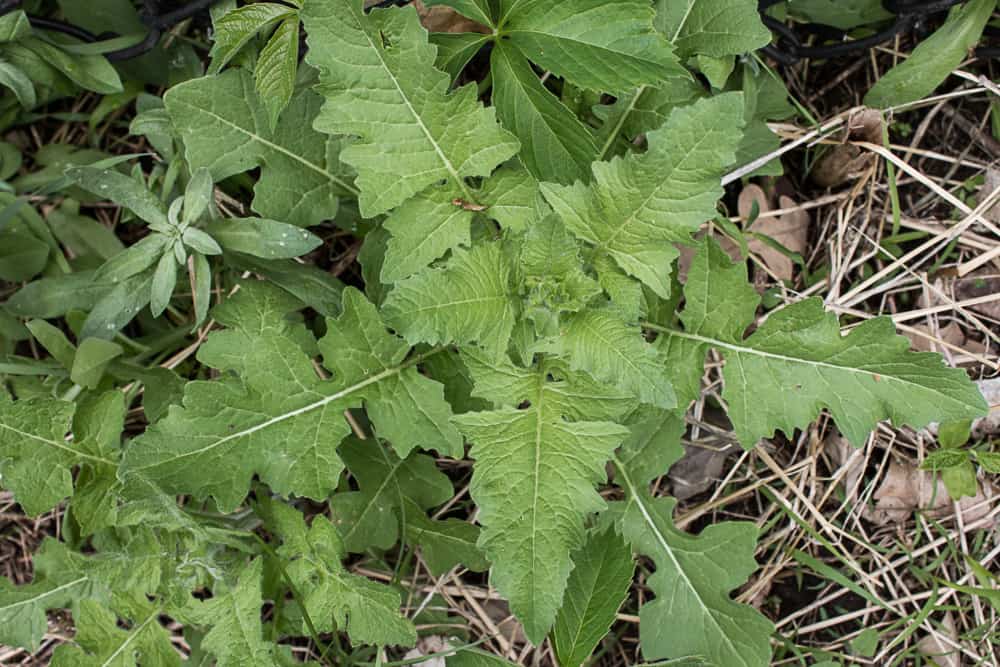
[
  {"x": 988, "y": 426},
  {"x": 446, "y": 19},
  {"x": 427, "y": 646},
  {"x": 790, "y": 230},
  {"x": 982, "y": 282},
  {"x": 840, "y": 164},
  {"x": 905, "y": 489},
  {"x": 990, "y": 183},
  {"x": 698, "y": 470},
  {"x": 934, "y": 647},
  {"x": 847, "y": 162},
  {"x": 951, "y": 333},
  {"x": 865, "y": 125},
  {"x": 841, "y": 453}
]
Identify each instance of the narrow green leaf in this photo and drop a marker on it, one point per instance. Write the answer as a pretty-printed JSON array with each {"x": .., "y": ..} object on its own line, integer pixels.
[
  {"x": 164, "y": 282},
  {"x": 238, "y": 26},
  {"x": 934, "y": 58},
  {"x": 92, "y": 358},
  {"x": 277, "y": 66},
  {"x": 597, "y": 587},
  {"x": 556, "y": 146},
  {"x": 261, "y": 237}
]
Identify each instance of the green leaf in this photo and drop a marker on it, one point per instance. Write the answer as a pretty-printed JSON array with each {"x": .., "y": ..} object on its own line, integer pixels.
[
  {"x": 199, "y": 196},
  {"x": 313, "y": 286},
  {"x": 56, "y": 295},
  {"x": 693, "y": 613},
  {"x": 945, "y": 458},
  {"x": 424, "y": 229},
  {"x": 14, "y": 25},
  {"x": 597, "y": 587},
  {"x": 470, "y": 299},
  {"x": 272, "y": 416},
  {"x": 603, "y": 46},
  {"x": 672, "y": 188},
  {"x": 224, "y": 126},
  {"x": 377, "y": 74},
  {"x": 97, "y": 431},
  {"x": 444, "y": 544},
  {"x": 797, "y": 362},
  {"x": 22, "y": 608},
  {"x": 237, "y": 637},
  {"x": 122, "y": 190},
  {"x": 512, "y": 197},
  {"x": 35, "y": 457},
  {"x": 712, "y": 27},
  {"x": 599, "y": 342},
  {"x": 264, "y": 238},
  {"x": 19, "y": 83},
  {"x": 237, "y": 27},
  {"x": 164, "y": 282},
  {"x": 54, "y": 341},
  {"x": 22, "y": 255},
  {"x": 335, "y": 598},
  {"x": 556, "y": 146},
  {"x": 934, "y": 58},
  {"x": 277, "y": 66},
  {"x": 456, "y": 49},
  {"x": 407, "y": 408},
  {"x": 92, "y": 72},
  {"x": 118, "y": 306},
  {"x": 100, "y": 642},
  {"x": 643, "y": 110},
  {"x": 989, "y": 461},
  {"x": 371, "y": 516},
  {"x": 480, "y": 11},
  {"x": 133, "y": 260},
  {"x": 202, "y": 242},
  {"x": 92, "y": 358},
  {"x": 960, "y": 480},
  {"x": 534, "y": 478},
  {"x": 843, "y": 14}
]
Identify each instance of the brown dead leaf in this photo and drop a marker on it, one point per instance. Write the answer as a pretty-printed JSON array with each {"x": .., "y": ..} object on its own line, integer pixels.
[
  {"x": 990, "y": 183},
  {"x": 840, "y": 164},
  {"x": 934, "y": 647},
  {"x": 865, "y": 125},
  {"x": 790, "y": 230},
  {"x": 982, "y": 282},
  {"x": 905, "y": 489},
  {"x": 951, "y": 333},
  {"x": 699, "y": 469},
  {"x": 842, "y": 453},
  {"x": 988, "y": 426},
  {"x": 847, "y": 162},
  {"x": 446, "y": 19},
  {"x": 426, "y": 646}
]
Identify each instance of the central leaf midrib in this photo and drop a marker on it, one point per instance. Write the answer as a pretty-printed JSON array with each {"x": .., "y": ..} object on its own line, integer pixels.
[
  {"x": 634, "y": 497},
  {"x": 253, "y": 136},
  {"x": 452, "y": 171},
  {"x": 743, "y": 349},
  {"x": 326, "y": 400}
]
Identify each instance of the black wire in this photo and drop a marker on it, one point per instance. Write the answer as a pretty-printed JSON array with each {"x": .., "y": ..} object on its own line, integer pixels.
[
  {"x": 789, "y": 48},
  {"x": 155, "y": 23}
]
